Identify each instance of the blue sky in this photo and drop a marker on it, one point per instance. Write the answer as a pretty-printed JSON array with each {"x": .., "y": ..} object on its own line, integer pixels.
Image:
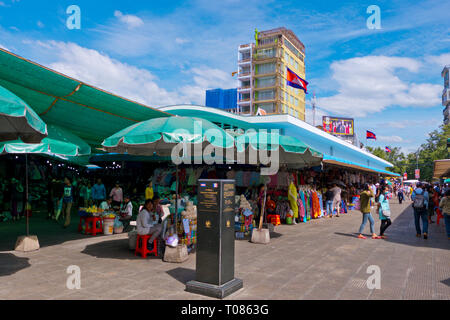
[{"x": 162, "y": 53}]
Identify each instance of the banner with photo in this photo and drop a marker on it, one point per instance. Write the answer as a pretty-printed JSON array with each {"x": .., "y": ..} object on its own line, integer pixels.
[{"x": 339, "y": 126}]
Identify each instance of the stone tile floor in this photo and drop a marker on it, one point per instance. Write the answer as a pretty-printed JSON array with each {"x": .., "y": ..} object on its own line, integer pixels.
[{"x": 318, "y": 260}]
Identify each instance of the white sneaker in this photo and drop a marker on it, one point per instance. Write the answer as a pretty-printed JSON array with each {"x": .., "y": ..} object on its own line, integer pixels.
[{"x": 295, "y": 222}]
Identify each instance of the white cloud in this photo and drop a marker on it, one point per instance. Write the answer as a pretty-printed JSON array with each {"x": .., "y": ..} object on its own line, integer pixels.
[
  {"x": 181, "y": 40},
  {"x": 402, "y": 124},
  {"x": 130, "y": 20},
  {"x": 40, "y": 24},
  {"x": 134, "y": 83},
  {"x": 441, "y": 60},
  {"x": 370, "y": 84},
  {"x": 3, "y": 47},
  {"x": 390, "y": 139}
]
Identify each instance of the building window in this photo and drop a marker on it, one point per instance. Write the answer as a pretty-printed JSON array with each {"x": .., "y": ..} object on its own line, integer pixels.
[
  {"x": 266, "y": 82},
  {"x": 266, "y": 68},
  {"x": 266, "y": 95},
  {"x": 296, "y": 102}
]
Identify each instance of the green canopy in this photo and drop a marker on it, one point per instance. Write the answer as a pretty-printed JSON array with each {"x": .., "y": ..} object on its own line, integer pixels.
[
  {"x": 89, "y": 112},
  {"x": 293, "y": 152},
  {"x": 18, "y": 120},
  {"x": 59, "y": 142},
  {"x": 447, "y": 181},
  {"x": 159, "y": 136}
]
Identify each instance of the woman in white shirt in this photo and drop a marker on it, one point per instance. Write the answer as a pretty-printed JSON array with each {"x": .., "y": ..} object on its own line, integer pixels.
[{"x": 146, "y": 224}]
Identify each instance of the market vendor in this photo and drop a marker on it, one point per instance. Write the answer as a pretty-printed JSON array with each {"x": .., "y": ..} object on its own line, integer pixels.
[
  {"x": 270, "y": 205},
  {"x": 126, "y": 212},
  {"x": 147, "y": 224},
  {"x": 106, "y": 205}
]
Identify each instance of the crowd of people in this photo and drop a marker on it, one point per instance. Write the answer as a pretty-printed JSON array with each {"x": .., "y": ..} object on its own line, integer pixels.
[{"x": 427, "y": 201}]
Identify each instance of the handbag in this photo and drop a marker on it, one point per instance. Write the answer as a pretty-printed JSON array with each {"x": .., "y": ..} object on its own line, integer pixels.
[{"x": 386, "y": 213}]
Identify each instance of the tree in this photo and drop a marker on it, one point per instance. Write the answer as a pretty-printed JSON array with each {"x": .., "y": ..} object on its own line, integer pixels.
[{"x": 435, "y": 148}]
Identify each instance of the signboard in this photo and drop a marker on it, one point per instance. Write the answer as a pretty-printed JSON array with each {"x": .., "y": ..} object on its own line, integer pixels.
[
  {"x": 215, "y": 240},
  {"x": 417, "y": 173},
  {"x": 339, "y": 126},
  {"x": 405, "y": 176}
]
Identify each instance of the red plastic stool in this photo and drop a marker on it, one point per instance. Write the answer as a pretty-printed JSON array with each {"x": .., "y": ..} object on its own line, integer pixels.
[
  {"x": 91, "y": 220},
  {"x": 142, "y": 249}
]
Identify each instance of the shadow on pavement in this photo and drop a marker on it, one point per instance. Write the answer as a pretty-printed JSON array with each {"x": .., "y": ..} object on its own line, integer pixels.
[
  {"x": 403, "y": 231},
  {"x": 10, "y": 264},
  {"x": 113, "y": 249},
  {"x": 183, "y": 275},
  {"x": 351, "y": 235},
  {"x": 49, "y": 232},
  {"x": 446, "y": 282}
]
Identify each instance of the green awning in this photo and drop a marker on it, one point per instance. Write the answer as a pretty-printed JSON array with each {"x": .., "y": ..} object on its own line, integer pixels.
[
  {"x": 159, "y": 136},
  {"x": 89, "y": 112},
  {"x": 292, "y": 151},
  {"x": 59, "y": 142},
  {"x": 18, "y": 120}
]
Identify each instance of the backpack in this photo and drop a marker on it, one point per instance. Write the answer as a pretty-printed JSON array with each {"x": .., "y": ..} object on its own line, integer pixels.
[{"x": 419, "y": 202}]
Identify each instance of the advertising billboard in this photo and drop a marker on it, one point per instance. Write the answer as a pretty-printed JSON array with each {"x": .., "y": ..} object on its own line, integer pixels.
[{"x": 339, "y": 126}]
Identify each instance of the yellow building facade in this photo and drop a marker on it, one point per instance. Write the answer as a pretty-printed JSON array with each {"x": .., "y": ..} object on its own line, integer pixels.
[{"x": 263, "y": 82}]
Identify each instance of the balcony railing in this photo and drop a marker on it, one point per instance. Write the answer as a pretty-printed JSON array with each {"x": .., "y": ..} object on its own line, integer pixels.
[
  {"x": 246, "y": 74},
  {"x": 246, "y": 60}
]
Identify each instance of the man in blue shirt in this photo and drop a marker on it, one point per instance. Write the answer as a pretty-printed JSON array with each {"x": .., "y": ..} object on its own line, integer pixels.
[
  {"x": 420, "y": 200},
  {"x": 98, "y": 192}
]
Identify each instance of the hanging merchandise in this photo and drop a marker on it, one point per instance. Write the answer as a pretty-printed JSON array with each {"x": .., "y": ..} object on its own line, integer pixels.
[{"x": 292, "y": 196}]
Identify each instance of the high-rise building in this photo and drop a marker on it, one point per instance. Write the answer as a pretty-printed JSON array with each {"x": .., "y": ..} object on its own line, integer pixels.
[
  {"x": 446, "y": 94},
  {"x": 225, "y": 99},
  {"x": 262, "y": 74}
]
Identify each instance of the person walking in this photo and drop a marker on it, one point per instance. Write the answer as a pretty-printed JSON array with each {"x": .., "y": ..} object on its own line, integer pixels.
[
  {"x": 329, "y": 202},
  {"x": 384, "y": 212},
  {"x": 149, "y": 193},
  {"x": 336, "y": 198},
  {"x": 431, "y": 204},
  {"x": 444, "y": 204},
  {"x": 420, "y": 200},
  {"x": 365, "y": 197},
  {"x": 67, "y": 200},
  {"x": 400, "y": 195}
]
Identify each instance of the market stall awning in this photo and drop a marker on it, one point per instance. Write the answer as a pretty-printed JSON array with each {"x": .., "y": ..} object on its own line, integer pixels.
[
  {"x": 18, "y": 120},
  {"x": 441, "y": 168},
  {"x": 349, "y": 164},
  {"x": 59, "y": 143},
  {"x": 89, "y": 112}
]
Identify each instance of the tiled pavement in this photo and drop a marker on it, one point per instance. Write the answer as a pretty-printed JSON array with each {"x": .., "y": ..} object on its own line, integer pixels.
[{"x": 319, "y": 260}]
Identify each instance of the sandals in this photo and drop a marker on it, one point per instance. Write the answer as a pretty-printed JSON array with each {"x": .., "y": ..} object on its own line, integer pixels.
[
  {"x": 361, "y": 237},
  {"x": 376, "y": 237}
]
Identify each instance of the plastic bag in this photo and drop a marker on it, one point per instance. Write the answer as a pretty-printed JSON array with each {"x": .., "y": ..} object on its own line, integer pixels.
[
  {"x": 117, "y": 223},
  {"x": 172, "y": 241}
]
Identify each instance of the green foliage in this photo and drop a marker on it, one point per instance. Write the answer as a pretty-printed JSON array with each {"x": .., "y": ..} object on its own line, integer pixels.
[{"x": 435, "y": 148}]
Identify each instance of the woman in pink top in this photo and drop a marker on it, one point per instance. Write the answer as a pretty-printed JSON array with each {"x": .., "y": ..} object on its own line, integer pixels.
[{"x": 116, "y": 195}]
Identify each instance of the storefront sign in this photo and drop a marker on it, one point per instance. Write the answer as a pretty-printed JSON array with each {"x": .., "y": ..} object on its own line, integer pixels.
[
  {"x": 215, "y": 240},
  {"x": 405, "y": 176},
  {"x": 417, "y": 173}
]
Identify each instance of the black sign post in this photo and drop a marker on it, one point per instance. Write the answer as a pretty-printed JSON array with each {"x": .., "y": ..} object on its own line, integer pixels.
[{"x": 215, "y": 240}]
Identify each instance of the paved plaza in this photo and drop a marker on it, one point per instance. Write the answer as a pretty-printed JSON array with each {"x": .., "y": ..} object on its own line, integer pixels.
[{"x": 321, "y": 260}]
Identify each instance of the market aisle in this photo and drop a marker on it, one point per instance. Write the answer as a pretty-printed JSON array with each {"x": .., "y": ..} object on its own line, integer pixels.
[{"x": 319, "y": 260}]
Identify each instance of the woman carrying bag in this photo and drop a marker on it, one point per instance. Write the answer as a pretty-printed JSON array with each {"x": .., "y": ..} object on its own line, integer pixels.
[{"x": 384, "y": 211}]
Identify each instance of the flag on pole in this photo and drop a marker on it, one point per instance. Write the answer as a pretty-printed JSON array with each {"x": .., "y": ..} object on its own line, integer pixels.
[
  {"x": 295, "y": 81},
  {"x": 370, "y": 135},
  {"x": 388, "y": 149}
]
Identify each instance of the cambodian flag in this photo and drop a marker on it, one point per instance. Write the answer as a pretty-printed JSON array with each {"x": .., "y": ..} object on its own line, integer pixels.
[
  {"x": 295, "y": 81},
  {"x": 370, "y": 135},
  {"x": 388, "y": 149}
]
